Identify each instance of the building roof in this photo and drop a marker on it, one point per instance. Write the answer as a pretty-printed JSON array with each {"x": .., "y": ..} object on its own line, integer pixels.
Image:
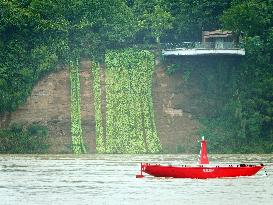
[{"x": 216, "y": 34}]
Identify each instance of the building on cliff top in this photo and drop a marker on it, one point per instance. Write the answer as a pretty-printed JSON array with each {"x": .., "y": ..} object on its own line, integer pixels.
[{"x": 213, "y": 43}]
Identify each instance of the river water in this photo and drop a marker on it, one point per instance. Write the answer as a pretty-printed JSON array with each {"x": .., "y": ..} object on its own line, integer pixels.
[{"x": 110, "y": 179}]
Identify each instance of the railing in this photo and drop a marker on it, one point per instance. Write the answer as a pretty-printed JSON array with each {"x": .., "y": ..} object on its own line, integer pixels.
[
  {"x": 201, "y": 45},
  {"x": 187, "y": 45}
]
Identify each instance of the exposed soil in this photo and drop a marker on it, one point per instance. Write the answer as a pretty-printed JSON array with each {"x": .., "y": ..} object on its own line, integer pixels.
[
  {"x": 176, "y": 127},
  {"x": 49, "y": 104}
]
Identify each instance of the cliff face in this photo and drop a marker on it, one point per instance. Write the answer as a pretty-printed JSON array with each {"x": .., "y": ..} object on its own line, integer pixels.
[
  {"x": 49, "y": 104},
  {"x": 176, "y": 126}
]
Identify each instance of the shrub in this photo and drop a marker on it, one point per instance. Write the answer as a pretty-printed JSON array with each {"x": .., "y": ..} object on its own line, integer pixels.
[{"x": 24, "y": 139}]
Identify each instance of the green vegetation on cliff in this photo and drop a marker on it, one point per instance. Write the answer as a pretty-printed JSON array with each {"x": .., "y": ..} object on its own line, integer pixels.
[
  {"x": 252, "y": 98},
  {"x": 130, "y": 125},
  {"x": 100, "y": 140},
  {"x": 24, "y": 139},
  {"x": 75, "y": 109},
  {"x": 37, "y": 35}
]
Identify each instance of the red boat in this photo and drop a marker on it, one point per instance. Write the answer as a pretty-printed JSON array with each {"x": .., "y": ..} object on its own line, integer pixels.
[{"x": 201, "y": 171}]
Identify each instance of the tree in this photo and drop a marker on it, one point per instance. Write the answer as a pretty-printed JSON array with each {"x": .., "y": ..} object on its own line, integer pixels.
[
  {"x": 193, "y": 17},
  {"x": 158, "y": 22},
  {"x": 153, "y": 20},
  {"x": 35, "y": 35},
  {"x": 254, "y": 20},
  {"x": 251, "y": 17}
]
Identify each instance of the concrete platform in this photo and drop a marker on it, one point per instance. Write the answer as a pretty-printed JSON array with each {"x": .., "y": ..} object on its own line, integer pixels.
[{"x": 196, "y": 52}]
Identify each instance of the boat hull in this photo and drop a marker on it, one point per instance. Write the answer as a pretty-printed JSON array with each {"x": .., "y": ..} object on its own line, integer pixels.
[{"x": 200, "y": 172}]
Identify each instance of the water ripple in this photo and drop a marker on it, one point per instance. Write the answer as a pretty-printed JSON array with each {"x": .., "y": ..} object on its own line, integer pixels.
[{"x": 110, "y": 179}]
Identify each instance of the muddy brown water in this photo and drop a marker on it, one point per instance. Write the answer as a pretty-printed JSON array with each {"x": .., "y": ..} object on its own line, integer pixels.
[{"x": 110, "y": 179}]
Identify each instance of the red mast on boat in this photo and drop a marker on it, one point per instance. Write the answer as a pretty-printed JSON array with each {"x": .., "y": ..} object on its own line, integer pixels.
[{"x": 203, "y": 152}]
